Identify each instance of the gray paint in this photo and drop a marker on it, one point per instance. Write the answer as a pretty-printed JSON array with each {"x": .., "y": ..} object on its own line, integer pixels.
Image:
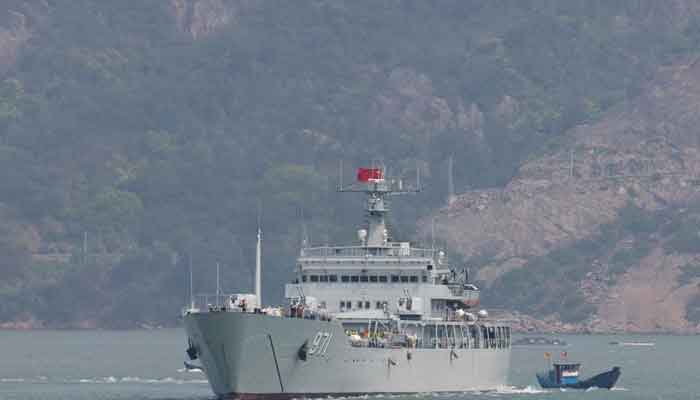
[{"x": 237, "y": 358}]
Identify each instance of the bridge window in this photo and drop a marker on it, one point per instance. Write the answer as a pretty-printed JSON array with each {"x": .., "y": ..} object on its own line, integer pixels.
[
  {"x": 359, "y": 304},
  {"x": 367, "y": 305},
  {"x": 323, "y": 278},
  {"x": 382, "y": 278},
  {"x": 345, "y": 278},
  {"x": 314, "y": 278},
  {"x": 373, "y": 278},
  {"x": 414, "y": 279},
  {"x": 364, "y": 278},
  {"x": 333, "y": 278},
  {"x": 354, "y": 278},
  {"x": 394, "y": 278},
  {"x": 404, "y": 278},
  {"x": 342, "y": 304}
]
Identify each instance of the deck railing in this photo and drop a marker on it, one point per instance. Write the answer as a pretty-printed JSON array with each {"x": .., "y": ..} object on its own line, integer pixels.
[
  {"x": 212, "y": 302},
  {"x": 362, "y": 251}
]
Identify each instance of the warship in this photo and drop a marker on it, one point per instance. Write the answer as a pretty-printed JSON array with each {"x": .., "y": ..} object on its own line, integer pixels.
[{"x": 375, "y": 316}]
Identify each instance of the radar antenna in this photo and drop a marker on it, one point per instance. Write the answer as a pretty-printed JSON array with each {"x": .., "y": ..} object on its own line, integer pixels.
[{"x": 377, "y": 186}]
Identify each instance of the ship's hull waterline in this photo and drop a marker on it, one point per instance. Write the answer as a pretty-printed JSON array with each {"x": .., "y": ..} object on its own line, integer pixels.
[{"x": 247, "y": 355}]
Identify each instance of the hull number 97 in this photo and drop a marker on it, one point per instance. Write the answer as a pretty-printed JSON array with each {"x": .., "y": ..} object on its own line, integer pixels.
[{"x": 320, "y": 344}]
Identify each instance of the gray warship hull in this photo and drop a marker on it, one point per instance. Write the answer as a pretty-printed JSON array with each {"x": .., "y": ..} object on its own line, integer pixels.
[{"x": 248, "y": 355}]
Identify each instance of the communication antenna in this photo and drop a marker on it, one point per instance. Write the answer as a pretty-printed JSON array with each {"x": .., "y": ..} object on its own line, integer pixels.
[
  {"x": 218, "y": 285},
  {"x": 258, "y": 260},
  {"x": 340, "y": 174},
  {"x": 258, "y": 268},
  {"x": 189, "y": 254},
  {"x": 417, "y": 176},
  {"x": 304, "y": 230}
]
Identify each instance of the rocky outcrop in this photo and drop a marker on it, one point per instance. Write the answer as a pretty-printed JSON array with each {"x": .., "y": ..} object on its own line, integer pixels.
[
  {"x": 13, "y": 35},
  {"x": 200, "y": 18},
  {"x": 409, "y": 102},
  {"x": 646, "y": 152},
  {"x": 648, "y": 298}
]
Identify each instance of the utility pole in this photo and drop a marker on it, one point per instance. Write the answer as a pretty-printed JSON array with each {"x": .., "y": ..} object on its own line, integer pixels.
[
  {"x": 571, "y": 164},
  {"x": 85, "y": 247}
]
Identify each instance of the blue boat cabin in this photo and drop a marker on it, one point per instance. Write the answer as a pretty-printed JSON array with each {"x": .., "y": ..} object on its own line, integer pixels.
[{"x": 566, "y": 373}]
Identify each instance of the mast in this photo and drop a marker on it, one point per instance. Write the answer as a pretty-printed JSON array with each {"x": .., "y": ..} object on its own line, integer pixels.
[
  {"x": 191, "y": 284},
  {"x": 258, "y": 268},
  {"x": 218, "y": 285},
  {"x": 377, "y": 186}
]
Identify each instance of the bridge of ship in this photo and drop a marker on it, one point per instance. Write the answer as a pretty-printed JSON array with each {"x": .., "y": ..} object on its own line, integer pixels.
[{"x": 352, "y": 278}]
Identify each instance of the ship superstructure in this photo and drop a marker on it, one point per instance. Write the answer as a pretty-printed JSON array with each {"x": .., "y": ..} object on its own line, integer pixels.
[{"x": 376, "y": 316}]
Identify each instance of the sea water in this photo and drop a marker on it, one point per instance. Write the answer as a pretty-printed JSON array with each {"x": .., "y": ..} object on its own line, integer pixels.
[{"x": 132, "y": 365}]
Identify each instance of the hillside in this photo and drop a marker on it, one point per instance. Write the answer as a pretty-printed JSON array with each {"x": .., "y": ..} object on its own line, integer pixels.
[
  {"x": 603, "y": 229},
  {"x": 137, "y": 136}
]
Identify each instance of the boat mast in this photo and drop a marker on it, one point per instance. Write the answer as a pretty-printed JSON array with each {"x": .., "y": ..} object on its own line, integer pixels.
[
  {"x": 258, "y": 268},
  {"x": 191, "y": 284},
  {"x": 218, "y": 285}
]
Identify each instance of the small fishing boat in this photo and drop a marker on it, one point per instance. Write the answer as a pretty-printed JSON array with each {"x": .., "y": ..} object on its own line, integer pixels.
[
  {"x": 539, "y": 341},
  {"x": 565, "y": 374},
  {"x": 634, "y": 344}
]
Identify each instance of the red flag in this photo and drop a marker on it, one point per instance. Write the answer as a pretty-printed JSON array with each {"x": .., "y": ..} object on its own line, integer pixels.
[{"x": 367, "y": 174}]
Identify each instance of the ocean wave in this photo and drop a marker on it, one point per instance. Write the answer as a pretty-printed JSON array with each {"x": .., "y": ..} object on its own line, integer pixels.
[
  {"x": 137, "y": 379},
  {"x": 502, "y": 390},
  {"x": 183, "y": 370},
  {"x": 519, "y": 390},
  {"x": 12, "y": 380},
  {"x": 104, "y": 380}
]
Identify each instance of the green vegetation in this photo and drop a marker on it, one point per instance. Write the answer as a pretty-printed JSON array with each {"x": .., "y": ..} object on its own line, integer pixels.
[
  {"x": 117, "y": 127},
  {"x": 686, "y": 236},
  {"x": 619, "y": 245},
  {"x": 693, "y": 310},
  {"x": 551, "y": 283},
  {"x": 689, "y": 273}
]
